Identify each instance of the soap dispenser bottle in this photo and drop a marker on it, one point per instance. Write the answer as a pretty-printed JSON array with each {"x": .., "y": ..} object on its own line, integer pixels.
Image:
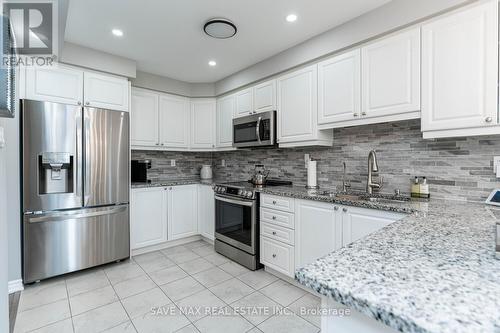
[
  {"x": 415, "y": 188},
  {"x": 424, "y": 189}
]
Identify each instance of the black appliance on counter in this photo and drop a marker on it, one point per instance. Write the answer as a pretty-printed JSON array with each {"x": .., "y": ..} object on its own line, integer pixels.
[{"x": 139, "y": 171}]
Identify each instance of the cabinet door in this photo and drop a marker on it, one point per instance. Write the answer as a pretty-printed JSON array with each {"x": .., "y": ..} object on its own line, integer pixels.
[
  {"x": 144, "y": 118},
  {"x": 206, "y": 211},
  {"x": 59, "y": 84},
  {"x": 225, "y": 113},
  {"x": 317, "y": 232},
  {"x": 264, "y": 96},
  {"x": 460, "y": 69},
  {"x": 106, "y": 92},
  {"x": 391, "y": 75},
  {"x": 174, "y": 121},
  {"x": 203, "y": 123},
  {"x": 360, "y": 222},
  {"x": 244, "y": 102},
  {"x": 148, "y": 217},
  {"x": 182, "y": 213},
  {"x": 339, "y": 88},
  {"x": 297, "y": 105}
]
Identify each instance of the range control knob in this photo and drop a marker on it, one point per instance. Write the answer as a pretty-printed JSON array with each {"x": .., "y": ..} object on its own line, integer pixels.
[
  {"x": 223, "y": 189},
  {"x": 216, "y": 188},
  {"x": 240, "y": 192},
  {"x": 249, "y": 194}
]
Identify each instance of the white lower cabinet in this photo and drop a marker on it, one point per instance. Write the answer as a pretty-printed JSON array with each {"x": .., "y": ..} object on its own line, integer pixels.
[
  {"x": 206, "y": 211},
  {"x": 291, "y": 238},
  {"x": 317, "y": 231},
  {"x": 360, "y": 222},
  {"x": 162, "y": 214},
  {"x": 148, "y": 217},
  {"x": 182, "y": 215}
]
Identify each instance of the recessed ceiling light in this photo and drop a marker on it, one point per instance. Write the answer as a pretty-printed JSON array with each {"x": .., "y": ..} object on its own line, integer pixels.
[
  {"x": 291, "y": 18},
  {"x": 212, "y": 63},
  {"x": 220, "y": 28},
  {"x": 117, "y": 32}
]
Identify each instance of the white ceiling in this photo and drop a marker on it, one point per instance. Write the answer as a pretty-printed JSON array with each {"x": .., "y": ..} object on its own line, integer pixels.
[{"x": 166, "y": 37}]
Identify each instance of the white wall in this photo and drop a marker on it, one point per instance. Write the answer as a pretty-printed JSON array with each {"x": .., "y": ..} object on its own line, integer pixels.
[
  {"x": 172, "y": 86},
  {"x": 4, "y": 296},
  {"x": 101, "y": 61},
  {"x": 394, "y": 15}
]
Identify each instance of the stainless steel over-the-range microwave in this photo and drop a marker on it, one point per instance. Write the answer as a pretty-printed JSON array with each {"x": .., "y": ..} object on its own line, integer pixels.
[{"x": 256, "y": 130}]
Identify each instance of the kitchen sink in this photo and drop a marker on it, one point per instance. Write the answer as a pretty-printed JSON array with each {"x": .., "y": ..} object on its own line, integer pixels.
[{"x": 387, "y": 200}]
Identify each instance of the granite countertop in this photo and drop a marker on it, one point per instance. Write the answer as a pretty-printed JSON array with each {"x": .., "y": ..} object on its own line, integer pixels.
[
  {"x": 432, "y": 271},
  {"x": 174, "y": 182}
]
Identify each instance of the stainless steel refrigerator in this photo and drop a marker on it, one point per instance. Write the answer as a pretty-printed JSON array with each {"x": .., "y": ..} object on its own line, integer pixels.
[{"x": 75, "y": 184}]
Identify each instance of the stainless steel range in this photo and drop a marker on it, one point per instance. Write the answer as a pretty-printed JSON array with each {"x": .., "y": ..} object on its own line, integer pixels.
[{"x": 237, "y": 221}]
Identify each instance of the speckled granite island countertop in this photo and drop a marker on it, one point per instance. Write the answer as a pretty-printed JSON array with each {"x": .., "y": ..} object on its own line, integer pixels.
[{"x": 433, "y": 271}]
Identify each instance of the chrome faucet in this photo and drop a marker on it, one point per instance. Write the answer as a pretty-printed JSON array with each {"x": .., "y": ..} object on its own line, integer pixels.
[
  {"x": 345, "y": 184},
  {"x": 372, "y": 167}
]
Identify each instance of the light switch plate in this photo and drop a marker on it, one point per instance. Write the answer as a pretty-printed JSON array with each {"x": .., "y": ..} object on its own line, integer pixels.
[
  {"x": 223, "y": 163},
  {"x": 2, "y": 137},
  {"x": 306, "y": 159},
  {"x": 172, "y": 163},
  {"x": 496, "y": 165}
]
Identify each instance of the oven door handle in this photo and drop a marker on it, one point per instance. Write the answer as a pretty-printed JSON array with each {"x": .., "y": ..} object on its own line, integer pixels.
[
  {"x": 257, "y": 130},
  {"x": 236, "y": 202}
]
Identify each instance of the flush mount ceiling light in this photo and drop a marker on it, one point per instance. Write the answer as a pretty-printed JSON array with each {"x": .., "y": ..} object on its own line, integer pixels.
[
  {"x": 291, "y": 18},
  {"x": 212, "y": 63},
  {"x": 117, "y": 32},
  {"x": 220, "y": 28}
]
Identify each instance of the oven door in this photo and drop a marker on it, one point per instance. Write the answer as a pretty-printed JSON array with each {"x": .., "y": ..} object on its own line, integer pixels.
[{"x": 236, "y": 222}]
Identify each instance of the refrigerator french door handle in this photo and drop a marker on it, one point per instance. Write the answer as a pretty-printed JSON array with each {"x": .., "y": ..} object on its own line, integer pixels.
[
  {"x": 76, "y": 215},
  {"x": 86, "y": 154},
  {"x": 79, "y": 157}
]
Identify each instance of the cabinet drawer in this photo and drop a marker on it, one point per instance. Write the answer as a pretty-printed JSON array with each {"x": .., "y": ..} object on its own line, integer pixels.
[
  {"x": 275, "y": 232},
  {"x": 277, "y": 217},
  {"x": 276, "y": 202},
  {"x": 278, "y": 256}
]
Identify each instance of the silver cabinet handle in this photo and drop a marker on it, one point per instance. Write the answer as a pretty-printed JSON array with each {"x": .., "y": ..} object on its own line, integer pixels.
[
  {"x": 274, "y": 255},
  {"x": 87, "y": 103},
  {"x": 344, "y": 210},
  {"x": 79, "y": 103},
  {"x": 274, "y": 232},
  {"x": 355, "y": 115},
  {"x": 363, "y": 113},
  {"x": 335, "y": 208},
  {"x": 274, "y": 217},
  {"x": 274, "y": 202},
  {"x": 488, "y": 119}
]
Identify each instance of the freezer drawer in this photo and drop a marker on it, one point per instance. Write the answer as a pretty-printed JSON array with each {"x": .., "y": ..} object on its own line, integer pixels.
[{"x": 61, "y": 242}]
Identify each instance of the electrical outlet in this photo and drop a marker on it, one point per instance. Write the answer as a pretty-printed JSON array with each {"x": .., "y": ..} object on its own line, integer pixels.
[
  {"x": 172, "y": 163},
  {"x": 223, "y": 163},
  {"x": 496, "y": 165},
  {"x": 306, "y": 159}
]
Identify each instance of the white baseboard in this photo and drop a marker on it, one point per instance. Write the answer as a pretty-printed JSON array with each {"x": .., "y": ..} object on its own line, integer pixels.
[
  {"x": 15, "y": 286},
  {"x": 164, "y": 245}
]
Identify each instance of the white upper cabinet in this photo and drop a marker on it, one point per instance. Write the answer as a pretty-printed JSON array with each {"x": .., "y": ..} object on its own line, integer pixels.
[
  {"x": 297, "y": 102},
  {"x": 460, "y": 72},
  {"x": 182, "y": 212},
  {"x": 144, "y": 118},
  {"x": 203, "y": 114},
  {"x": 339, "y": 88},
  {"x": 59, "y": 84},
  {"x": 226, "y": 107},
  {"x": 174, "y": 121},
  {"x": 264, "y": 96},
  {"x": 244, "y": 102},
  {"x": 105, "y": 91},
  {"x": 391, "y": 75}
]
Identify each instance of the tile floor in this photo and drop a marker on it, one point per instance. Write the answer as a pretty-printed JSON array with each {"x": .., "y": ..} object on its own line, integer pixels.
[{"x": 187, "y": 288}]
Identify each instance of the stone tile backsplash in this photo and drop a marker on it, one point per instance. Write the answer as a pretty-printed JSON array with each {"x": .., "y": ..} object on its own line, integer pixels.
[{"x": 457, "y": 168}]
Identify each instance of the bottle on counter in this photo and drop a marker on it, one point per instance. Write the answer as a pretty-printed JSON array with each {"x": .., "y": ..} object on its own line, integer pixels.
[
  {"x": 424, "y": 189},
  {"x": 415, "y": 188}
]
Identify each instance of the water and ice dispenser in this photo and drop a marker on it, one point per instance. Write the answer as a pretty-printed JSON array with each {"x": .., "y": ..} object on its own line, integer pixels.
[{"x": 55, "y": 172}]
